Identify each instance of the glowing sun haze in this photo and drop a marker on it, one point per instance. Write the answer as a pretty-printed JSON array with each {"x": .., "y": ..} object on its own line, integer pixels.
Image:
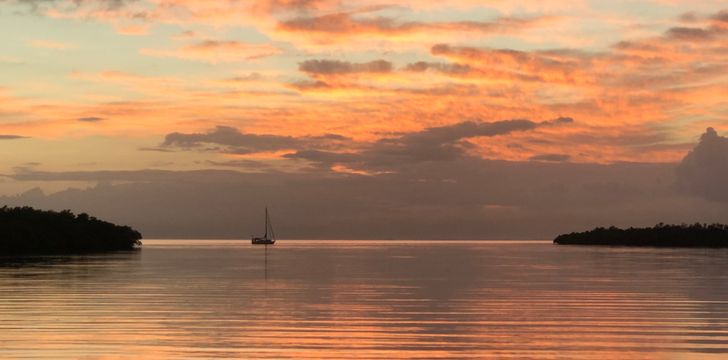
[{"x": 357, "y": 88}]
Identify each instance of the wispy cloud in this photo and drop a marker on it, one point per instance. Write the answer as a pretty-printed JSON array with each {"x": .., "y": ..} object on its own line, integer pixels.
[
  {"x": 215, "y": 51},
  {"x": 336, "y": 67},
  {"x": 342, "y": 25},
  {"x": 54, "y": 45},
  {"x": 365, "y": 68},
  {"x": 90, "y": 119},
  {"x": 11, "y": 137},
  {"x": 230, "y": 140}
]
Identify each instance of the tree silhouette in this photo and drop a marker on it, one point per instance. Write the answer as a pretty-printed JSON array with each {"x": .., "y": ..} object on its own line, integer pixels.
[
  {"x": 26, "y": 230},
  {"x": 661, "y": 235}
]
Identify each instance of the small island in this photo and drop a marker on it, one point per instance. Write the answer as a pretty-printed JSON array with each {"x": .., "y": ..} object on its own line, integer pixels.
[
  {"x": 24, "y": 230},
  {"x": 661, "y": 235}
]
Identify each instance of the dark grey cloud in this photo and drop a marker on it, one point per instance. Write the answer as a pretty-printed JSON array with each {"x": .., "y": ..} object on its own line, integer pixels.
[
  {"x": 721, "y": 16},
  {"x": 156, "y": 149},
  {"x": 636, "y": 45},
  {"x": 689, "y": 34},
  {"x": 90, "y": 119},
  {"x": 444, "y": 143},
  {"x": 534, "y": 64},
  {"x": 560, "y": 59},
  {"x": 233, "y": 141},
  {"x": 324, "y": 159},
  {"x": 241, "y": 164},
  {"x": 452, "y": 69},
  {"x": 344, "y": 24},
  {"x": 694, "y": 17},
  {"x": 246, "y": 78},
  {"x": 160, "y": 176},
  {"x": 689, "y": 17},
  {"x": 11, "y": 137},
  {"x": 466, "y": 198},
  {"x": 704, "y": 171},
  {"x": 713, "y": 27},
  {"x": 310, "y": 85},
  {"x": 551, "y": 157},
  {"x": 334, "y": 67}
]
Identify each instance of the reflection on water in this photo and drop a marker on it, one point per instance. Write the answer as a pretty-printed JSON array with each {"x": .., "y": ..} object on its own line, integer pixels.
[{"x": 344, "y": 299}]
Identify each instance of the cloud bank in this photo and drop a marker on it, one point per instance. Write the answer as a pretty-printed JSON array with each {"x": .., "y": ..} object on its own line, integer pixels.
[
  {"x": 704, "y": 171},
  {"x": 435, "y": 192}
]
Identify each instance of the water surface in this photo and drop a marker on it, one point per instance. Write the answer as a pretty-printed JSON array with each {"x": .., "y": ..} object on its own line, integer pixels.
[{"x": 367, "y": 299}]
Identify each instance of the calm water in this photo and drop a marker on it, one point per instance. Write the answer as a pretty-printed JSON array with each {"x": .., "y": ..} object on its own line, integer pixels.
[{"x": 346, "y": 299}]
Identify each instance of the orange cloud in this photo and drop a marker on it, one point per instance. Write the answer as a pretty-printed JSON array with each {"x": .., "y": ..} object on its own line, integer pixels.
[
  {"x": 218, "y": 51},
  {"x": 672, "y": 78},
  {"x": 306, "y": 23},
  {"x": 341, "y": 25}
]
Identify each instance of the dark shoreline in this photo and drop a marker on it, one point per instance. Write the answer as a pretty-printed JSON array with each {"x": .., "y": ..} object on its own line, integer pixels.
[
  {"x": 27, "y": 231},
  {"x": 661, "y": 235}
]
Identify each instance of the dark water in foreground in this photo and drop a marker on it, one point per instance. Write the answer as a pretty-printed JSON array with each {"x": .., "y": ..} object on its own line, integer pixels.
[{"x": 349, "y": 299}]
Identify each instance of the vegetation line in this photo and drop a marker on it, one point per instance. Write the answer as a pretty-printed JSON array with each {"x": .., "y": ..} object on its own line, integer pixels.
[
  {"x": 24, "y": 230},
  {"x": 661, "y": 235}
]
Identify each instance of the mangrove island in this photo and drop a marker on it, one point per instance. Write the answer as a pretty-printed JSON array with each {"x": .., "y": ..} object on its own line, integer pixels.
[
  {"x": 24, "y": 230},
  {"x": 661, "y": 235}
]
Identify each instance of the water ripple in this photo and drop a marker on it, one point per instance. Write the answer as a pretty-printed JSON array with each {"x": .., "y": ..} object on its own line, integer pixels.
[{"x": 369, "y": 300}]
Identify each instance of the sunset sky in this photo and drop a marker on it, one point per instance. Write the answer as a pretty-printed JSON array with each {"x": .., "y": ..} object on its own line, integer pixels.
[{"x": 111, "y": 91}]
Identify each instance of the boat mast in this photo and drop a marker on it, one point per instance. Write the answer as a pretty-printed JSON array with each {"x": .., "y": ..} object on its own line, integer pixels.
[{"x": 266, "y": 223}]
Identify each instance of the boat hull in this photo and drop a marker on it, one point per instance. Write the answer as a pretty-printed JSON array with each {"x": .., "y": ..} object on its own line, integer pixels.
[{"x": 262, "y": 241}]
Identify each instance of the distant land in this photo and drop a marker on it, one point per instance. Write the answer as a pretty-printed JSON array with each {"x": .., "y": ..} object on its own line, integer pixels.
[
  {"x": 661, "y": 235},
  {"x": 25, "y": 230}
]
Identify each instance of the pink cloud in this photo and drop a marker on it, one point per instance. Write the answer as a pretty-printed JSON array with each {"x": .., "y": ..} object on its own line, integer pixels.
[{"x": 218, "y": 51}]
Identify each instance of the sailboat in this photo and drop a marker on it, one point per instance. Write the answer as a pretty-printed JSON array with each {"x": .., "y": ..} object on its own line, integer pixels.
[{"x": 270, "y": 237}]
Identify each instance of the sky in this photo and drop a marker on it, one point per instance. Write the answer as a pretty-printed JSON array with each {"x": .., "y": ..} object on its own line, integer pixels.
[{"x": 366, "y": 119}]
